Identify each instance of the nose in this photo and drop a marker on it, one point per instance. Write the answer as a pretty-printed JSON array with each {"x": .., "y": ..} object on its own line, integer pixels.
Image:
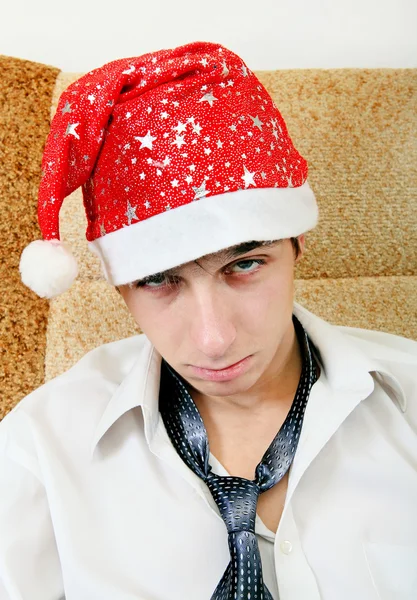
[{"x": 211, "y": 325}]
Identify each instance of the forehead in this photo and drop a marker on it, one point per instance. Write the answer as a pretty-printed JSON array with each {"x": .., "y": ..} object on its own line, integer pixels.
[{"x": 238, "y": 249}]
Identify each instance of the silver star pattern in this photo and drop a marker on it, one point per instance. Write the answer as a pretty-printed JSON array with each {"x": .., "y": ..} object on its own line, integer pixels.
[
  {"x": 200, "y": 192},
  {"x": 130, "y": 70},
  {"x": 248, "y": 177},
  {"x": 146, "y": 141},
  {"x": 180, "y": 127},
  {"x": 184, "y": 145},
  {"x": 208, "y": 98},
  {"x": 179, "y": 141},
  {"x": 67, "y": 108},
  {"x": 257, "y": 122},
  {"x": 131, "y": 213},
  {"x": 71, "y": 130}
]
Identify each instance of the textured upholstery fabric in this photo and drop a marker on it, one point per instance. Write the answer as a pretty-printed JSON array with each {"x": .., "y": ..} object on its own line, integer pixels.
[{"x": 357, "y": 129}]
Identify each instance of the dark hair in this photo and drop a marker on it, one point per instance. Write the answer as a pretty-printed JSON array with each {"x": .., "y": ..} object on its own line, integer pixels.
[{"x": 296, "y": 246}]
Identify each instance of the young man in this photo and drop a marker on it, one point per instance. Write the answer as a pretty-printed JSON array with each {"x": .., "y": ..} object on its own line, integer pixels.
[{"x": 241, "y": 447}]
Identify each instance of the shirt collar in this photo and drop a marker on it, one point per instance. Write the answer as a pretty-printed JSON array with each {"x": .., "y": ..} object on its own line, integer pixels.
[{"x": 346, "y": 367}]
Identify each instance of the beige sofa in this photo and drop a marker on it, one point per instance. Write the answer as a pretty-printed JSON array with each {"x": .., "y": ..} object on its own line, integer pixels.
[{"x": 356, "y": 127}]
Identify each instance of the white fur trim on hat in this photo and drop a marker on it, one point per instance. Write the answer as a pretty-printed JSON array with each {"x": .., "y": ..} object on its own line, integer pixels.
[
  {"x": 48, "y": 267},
  {"x": 205, "y": 226}
]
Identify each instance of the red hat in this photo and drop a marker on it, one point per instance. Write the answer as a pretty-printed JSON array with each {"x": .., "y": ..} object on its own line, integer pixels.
[{"x": 180, "y": 153}]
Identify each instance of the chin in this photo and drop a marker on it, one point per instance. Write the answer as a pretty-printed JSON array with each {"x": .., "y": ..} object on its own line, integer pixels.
[{"x": 238, "y": 385}]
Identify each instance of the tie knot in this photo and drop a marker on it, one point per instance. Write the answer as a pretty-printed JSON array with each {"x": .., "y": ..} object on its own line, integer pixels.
[{"x": 236, "y": 499}]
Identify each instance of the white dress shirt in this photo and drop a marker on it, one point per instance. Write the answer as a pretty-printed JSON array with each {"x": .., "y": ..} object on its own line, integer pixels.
[{"x": 96, "y": 504}]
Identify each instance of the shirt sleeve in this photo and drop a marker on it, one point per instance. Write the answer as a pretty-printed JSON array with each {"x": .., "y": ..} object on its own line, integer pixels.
[{"x": 29, "y": 561}]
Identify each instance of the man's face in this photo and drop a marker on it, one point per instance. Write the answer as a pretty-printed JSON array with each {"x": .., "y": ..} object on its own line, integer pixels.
[{"x": 214, "y": 315}]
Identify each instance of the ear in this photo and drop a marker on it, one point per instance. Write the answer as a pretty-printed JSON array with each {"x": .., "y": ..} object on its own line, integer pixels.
[{"x": 301, "y": 243}]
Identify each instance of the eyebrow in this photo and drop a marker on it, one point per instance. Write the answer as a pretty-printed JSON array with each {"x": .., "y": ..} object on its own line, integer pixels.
[
  {"x": 223, "y": 255},
  {"x": 240, "y": 249}
]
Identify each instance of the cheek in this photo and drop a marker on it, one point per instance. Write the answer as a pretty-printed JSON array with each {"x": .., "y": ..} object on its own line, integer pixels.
[
  {"x": 153, "y": 321},
  {"x": 275, "y": 292},
  {"x": 140, "y": 310},
  {"x": 130, "y": 301},
  {"x": 269, "y": 313}
]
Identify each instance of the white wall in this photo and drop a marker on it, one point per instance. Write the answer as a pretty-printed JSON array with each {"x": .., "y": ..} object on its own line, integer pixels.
[{"x": 79, "y": 35}]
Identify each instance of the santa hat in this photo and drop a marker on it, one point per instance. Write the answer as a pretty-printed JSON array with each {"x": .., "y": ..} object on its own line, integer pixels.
[{"x": 180, "y": 153}]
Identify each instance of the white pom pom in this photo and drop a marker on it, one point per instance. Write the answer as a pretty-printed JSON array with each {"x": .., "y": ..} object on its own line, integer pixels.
[{"x": 48, "y": 267}]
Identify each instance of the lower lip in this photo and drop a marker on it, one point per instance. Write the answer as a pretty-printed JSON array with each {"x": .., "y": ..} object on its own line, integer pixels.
[{"x": 224, "y": 374}]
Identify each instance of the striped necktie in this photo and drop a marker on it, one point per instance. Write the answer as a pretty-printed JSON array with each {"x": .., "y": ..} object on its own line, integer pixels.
[{"x": 236, "y": 497}]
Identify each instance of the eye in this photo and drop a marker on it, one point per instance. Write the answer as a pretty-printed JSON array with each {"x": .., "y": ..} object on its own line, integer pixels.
[
  {"x": 248, "y": 263},
  {"x": 155, "y": 282}
]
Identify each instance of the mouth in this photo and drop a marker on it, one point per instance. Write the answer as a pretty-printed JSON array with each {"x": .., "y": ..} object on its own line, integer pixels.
[{"x": 225, "y": 374}]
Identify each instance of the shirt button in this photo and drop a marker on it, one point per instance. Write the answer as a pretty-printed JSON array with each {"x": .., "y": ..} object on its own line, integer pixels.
[{"x": 286, "y": 547}]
